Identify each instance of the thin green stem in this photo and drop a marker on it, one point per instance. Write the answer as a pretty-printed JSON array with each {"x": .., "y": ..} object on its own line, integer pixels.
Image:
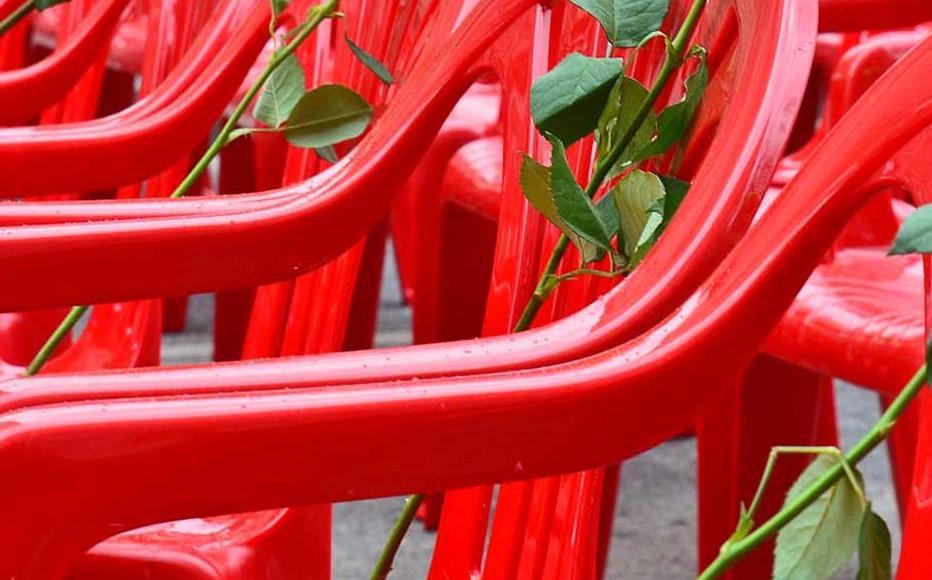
[
  {"x": 732, "y": 552},
  {"x": 387, "y": 558},
  {"x": 74, "y": 315},
  {"x": 13, "y": 19},
  {"x": 674, "y": 59},
  {"x": 316, "y": 15}
]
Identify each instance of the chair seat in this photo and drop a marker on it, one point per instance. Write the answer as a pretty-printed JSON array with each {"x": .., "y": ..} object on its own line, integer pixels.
[{"x": 859, "y": 318}]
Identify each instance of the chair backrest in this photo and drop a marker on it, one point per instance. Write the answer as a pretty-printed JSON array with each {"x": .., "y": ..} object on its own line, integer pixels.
[
  {"x": 522, "y": 249},
  {"x": 144, "y": 139},
  {"x": 24, "y": 93}
]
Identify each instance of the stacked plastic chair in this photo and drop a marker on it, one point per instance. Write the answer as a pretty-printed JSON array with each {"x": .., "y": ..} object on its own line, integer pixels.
[
  {"x": 778, "y": 111},
  {"x": 82, "y": 450}
]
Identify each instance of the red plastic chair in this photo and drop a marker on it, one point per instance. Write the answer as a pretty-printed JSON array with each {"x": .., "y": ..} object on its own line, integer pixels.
[
  {"x": 293, "y": 543},
  {"x": 424, "y": 208},
  {"x": 859, "y": 318},
  {"x": 278, "y": 444},
  {"x": 756, "y": 122}
]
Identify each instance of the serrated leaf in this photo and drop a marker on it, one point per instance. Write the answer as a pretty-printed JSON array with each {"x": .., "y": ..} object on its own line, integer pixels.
[
  {"x": 674, "y": 121},
  {"x": 566, "y": 102},
  {"x": 327, "y": 153},
  {"x": 536, "y": 185},
  {"x": 627, "y": 22},
  {"x": 327, "y": 115},
  {"x": 573, "y": 205},
  {"x": 46, "y": 4},
  {"x": 609, "y": 213},
  {"x": 634, "y": 195},
  {"x": 659, "y": 215},
  {"x": 619, "y": 114},
  {"x": 915, "y": 235},
  {"x": 822, "y": 538},
  {"x": 874, "y": 550},
  {"x": 676, "y": 192},
  {"x": 369, "y": 61},
  {"x": 281, "y": 94}
]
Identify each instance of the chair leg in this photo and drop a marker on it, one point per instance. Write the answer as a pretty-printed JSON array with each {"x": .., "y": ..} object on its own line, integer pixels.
[
  {"x": 361, "y": 325},
  {"x": 775, "y": 403},
  {"x": 22, "y": 334},
  {"x": 915, "y": 561},
  {"x": 607, "y": 516},
  {"x": 176, "y": 313},
  {"x": 902, "y": 448}
]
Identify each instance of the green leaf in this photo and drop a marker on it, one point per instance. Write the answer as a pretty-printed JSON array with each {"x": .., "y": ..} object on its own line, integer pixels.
[
  {"x": 535, "y": 183},
  {"x": 567, "y": 101},
  {"x": 874, "y": 552},
  {"x": 369, "y": 61},
  {"x": 240, "y": 132},
  {"x": 627, "y": 22},
  {"x": 676, "y": 191},
  {"x": 46, "y": 4},
  {"x": 634, "y": 195},
  {"x": 327, "y": 153},
  {"x": 929, "y": 357},
  {"x": 619, "y": 114},
  {"x": 573, "y": 205},
  {"x": 659, "y": 215},
  {"x": 822, "y": 538},
  {"x": 282, "y": 92},
  {"x": 326, "y": 116},
  {"x": 609, "y": 213},
  {"x": 674, "y": 121},
  {"x": 915, "y": 235},
  {"x": 278, "y": 6}
]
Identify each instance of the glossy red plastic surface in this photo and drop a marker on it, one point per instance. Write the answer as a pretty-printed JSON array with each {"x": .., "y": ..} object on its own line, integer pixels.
[
  {"x": 641, "y": 301},
  {"x": 623, "y": 400},
  {"x": 26, "y": 92},
  {"x": 146, "y": 138},
  {"x": 412, "y": 393}
]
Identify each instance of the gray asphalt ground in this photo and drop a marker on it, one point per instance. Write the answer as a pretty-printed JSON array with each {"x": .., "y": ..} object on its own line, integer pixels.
[{"x": 654, "y": 533}]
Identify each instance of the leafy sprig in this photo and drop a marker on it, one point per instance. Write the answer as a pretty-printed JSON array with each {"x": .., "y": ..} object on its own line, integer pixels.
[
  {"x": 584, "y": 95},
  {"x": 574, "y": 100}
]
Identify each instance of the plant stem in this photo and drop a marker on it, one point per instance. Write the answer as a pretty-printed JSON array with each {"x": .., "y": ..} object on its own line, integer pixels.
[
  {"x": 316, "y": 15},
  {"x": 674, "y": 59},
  {"x": 76, "y": 313},
  {"x": 17, "y": 15},
  {"x": 732, "y": 552},
  {"x": 387, "y": 558}
]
